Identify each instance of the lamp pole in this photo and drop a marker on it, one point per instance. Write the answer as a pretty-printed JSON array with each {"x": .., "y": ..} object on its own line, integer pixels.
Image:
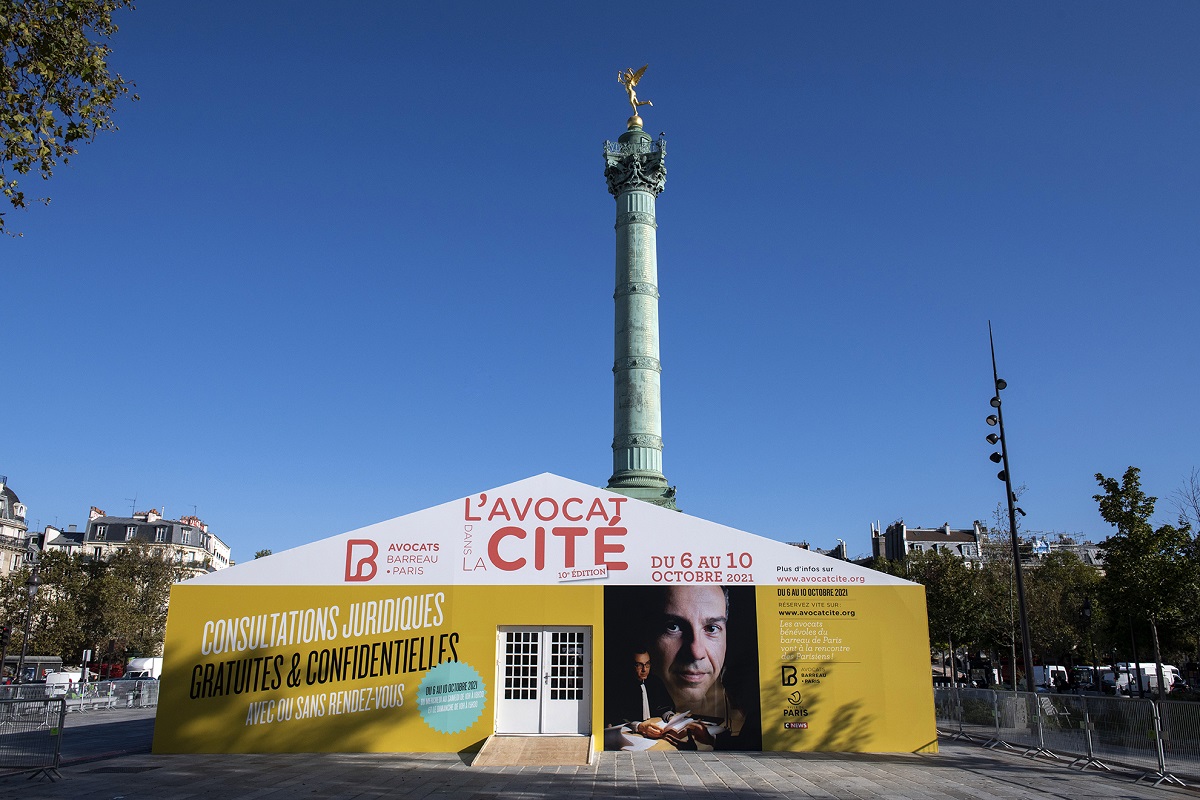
[
  {"x": 1087, "y": 617},
  {"x": 5, "y": 638},
  {"x": 31, "y": 586},
  {"x": 1004, "y": 475}
]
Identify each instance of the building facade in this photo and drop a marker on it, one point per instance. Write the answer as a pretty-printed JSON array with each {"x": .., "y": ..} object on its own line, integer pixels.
[
  {"x": 14, "y": 533},
  {"x": 977, "y": 544},
  {"x": 899, "y": 540},
  {"x": 188, "y": 539}
]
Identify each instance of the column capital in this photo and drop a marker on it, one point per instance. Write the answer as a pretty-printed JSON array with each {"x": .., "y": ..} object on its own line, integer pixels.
[{"x": 635, "y": 164}]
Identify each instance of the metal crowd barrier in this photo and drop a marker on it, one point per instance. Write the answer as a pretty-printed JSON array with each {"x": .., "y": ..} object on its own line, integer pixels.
[
  {"x": 91, "y": 696},
  {"x": 1094, "y": 731},
  {"x": 31, "y": 735},
  {"x": 23, "y": 691},
  {"x": 945, "y": 711},
  {"x": 100, "y": 695},
  {"x": 1017, "y": 723},
  {"x": 978, "y": 713},
  {"x": 133, "y": 694},
  {"x": 1181, "y": 734},
  {"x": 1125, "y": 731}
]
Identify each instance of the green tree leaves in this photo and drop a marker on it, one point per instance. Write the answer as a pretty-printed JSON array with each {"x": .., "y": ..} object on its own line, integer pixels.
[
  {"x": 131, "y": 598},
  {"x": 1147, "y": 570},
  {"x": 56, "y": 88},
  {"x": 1055, "y": 591},
  {"x": 117, "y": 606},
  {"x": 1151, "y": 574},
  {"x": 952, "y": 598}
]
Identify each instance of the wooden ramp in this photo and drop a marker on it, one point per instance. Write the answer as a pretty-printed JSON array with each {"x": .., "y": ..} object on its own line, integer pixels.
[{"x": 535, "y": 751}]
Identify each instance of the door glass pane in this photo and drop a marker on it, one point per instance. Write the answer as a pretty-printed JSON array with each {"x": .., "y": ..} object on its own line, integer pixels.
[
  {"x": 521, "y": 665},
  {"x": 566, "y": 665}
]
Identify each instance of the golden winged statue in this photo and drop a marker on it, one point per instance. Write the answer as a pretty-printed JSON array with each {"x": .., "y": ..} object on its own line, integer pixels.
[{"x": 629, "y": 79}]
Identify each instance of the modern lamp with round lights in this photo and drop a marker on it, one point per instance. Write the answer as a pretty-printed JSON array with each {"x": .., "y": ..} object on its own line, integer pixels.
[{"x": 997, "y": 420}]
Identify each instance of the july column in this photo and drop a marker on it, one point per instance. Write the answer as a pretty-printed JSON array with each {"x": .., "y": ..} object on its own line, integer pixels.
[{"x": 636, "y": 173}]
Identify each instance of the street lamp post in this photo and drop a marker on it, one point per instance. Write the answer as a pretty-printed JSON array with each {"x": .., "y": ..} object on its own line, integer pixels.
[
  {"x": 5, "y": 639},
  {"x": 1004, "y": 475},
  {"x": 31, "y": 586},
  {"x": 1086, "y": 613}
]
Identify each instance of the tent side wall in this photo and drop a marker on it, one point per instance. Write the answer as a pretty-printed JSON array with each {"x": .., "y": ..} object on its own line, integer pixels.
[{"x": 348, "y": 668}]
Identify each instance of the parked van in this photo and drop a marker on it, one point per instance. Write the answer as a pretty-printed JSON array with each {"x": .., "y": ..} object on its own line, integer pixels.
[
  {"x": 1050, "y": 677},
  {"x": 1131, "y": 676},
  {"x": 59, "y": 684},
  {"x": 149, "y": 667}
]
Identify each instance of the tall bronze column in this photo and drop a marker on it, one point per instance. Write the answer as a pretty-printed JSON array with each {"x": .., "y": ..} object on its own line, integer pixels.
[{"x": 636, "y": 173}]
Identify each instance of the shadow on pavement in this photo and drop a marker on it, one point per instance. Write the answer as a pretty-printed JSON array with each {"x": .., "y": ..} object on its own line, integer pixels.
[
  {"x": 81, "y": 744},
  {"x": 91, "y": 769}
]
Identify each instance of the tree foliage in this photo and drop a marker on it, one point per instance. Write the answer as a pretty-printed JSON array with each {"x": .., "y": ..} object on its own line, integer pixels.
[
  {"x": 1147, "y": 589},
  {"x": 56, "y": 88},
  {"x": 952, "y": 598},
  {"x": 1055, "y": 592},
  {"x": 1187, "y": 501},
  {"x": 116, "y": 608},
  {"x": 997, "y": 590},
  {"x": 1146, "y": 568},
  {"x": 58, "y": 623},
  {"x": 131, "y": 599},
  {"x": 1151, "y": 574}
]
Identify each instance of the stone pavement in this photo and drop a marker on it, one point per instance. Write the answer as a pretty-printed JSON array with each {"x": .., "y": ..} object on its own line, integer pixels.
[{"x": 106, "y": 757}]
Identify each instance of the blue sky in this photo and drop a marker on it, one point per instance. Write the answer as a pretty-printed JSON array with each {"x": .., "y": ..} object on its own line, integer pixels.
[{"x": 338, "y": 268}]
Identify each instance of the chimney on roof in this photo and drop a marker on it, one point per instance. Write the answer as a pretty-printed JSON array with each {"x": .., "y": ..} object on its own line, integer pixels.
[{"x": 95, "y": 512}]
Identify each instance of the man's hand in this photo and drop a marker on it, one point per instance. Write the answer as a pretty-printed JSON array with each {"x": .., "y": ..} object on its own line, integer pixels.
[
  {"x": 650, "y": 730},
  {"x": 693, "y": 732}
]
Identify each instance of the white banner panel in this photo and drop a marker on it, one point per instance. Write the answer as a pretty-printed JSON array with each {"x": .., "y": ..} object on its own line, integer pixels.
[{"x": 547, "y": 530}]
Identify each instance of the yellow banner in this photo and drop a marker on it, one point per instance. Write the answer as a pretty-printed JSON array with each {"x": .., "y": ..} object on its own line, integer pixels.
[
  {"x": 440, "y": 668},
  {"x": 845, "y": 668},
  {"x": 347, "y": 668}
]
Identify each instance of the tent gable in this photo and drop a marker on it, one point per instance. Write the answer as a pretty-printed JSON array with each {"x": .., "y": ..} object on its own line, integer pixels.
[{"x": 543, "y": 530}]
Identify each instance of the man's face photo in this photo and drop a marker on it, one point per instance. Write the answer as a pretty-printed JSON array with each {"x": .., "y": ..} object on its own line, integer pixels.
[
  {"x": 641, "y": 665},
  {"x": 703, "y": 659},
  {"x": 689, "y": 648}
]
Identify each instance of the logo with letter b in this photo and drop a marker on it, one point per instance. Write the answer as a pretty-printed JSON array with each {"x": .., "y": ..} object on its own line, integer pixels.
[
  {"x": 788, "y": 677},
  {"x": 360, "y": 559}
]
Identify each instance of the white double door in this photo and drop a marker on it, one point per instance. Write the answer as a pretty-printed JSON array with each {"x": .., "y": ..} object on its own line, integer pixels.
[{"x": 544, "y": 679}]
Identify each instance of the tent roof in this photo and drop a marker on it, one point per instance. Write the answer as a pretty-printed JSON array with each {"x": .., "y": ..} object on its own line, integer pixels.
[{"x": 546, "y": 530}]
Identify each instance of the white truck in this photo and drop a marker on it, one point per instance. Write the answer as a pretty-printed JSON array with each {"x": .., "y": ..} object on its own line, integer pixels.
[
  {"x": 144, "y": 668},
  {"x": 1130, "y": 676},
  {"x": 1049, "y": 677},
  {"x": 61, "y": 684}
]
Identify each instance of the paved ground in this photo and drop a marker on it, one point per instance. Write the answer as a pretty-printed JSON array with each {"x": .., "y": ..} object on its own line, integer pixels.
[{"x": 106, "y": 757}]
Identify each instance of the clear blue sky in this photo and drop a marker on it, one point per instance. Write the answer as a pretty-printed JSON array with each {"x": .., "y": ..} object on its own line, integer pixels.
[{"x": 341, "y": 264}]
